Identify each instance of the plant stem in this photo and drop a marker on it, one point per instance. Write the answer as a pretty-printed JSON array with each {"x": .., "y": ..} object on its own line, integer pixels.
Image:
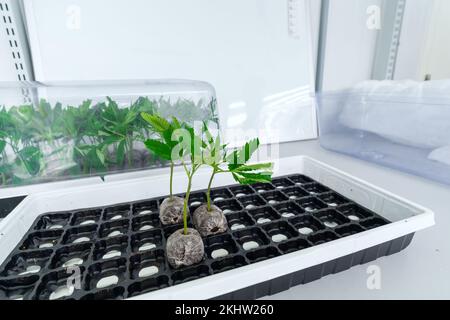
[
  {"x": 171, "y": 179},
  {"x": 129, "y": 144},
  {"x": 186, "y": 201},
  {"x": 208, "y": 192},
  {"x": 186, "y": 197}
]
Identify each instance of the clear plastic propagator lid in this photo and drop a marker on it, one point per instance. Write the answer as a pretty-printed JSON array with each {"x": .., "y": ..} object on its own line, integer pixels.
[{"x": 61, "y": 131}]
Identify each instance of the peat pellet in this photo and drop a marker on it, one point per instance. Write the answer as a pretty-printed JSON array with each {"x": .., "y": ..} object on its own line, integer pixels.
[
  {"x": 263, "y": 220},
  {"x": 146, "y": 227},
  {"x": 305, "y": 231},
  {"x": 46, "y": 245},
  {"x": 237, "y": 226},
  {"x": 148, "y": 271},
  {"x": 279, "y": 238},
  {"x": 171, "y": 211},
  {"x": 147, "y": 246},
  {"x": 107, "y": 282},
  {"x": 73, "y": 262},
  {"x": 330, "y": 224},
  {"x": 219, "y": 253},
  {"x": 30, "y": 270},
  {"x": 115, "y": 234},
  {"x": 87, "y": 222},
  {"x": 184, "y": 249},
  {"x": 56, "y": 226},
  {"x": 144, "y": 212},
  {"x": 61, "y": 292},
  {"x": 250, "y": 245},
  {"x": 112, "y": 254},
  {"x": 82, "y": 239},
  {"x": 210, "y": 222}
]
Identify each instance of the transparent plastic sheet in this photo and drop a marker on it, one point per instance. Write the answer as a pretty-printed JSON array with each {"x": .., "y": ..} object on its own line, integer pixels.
[
  {"x": 404, "y": 125},
  {"x": 62, "y": 131}
]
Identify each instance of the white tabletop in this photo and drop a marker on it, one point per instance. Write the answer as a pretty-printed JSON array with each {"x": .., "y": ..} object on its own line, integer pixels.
[{"x": 422, "y": 271}]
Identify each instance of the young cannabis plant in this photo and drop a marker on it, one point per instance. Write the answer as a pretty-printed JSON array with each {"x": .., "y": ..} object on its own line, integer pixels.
[
  {"x": 215, "y": 155},
  {"x": 177, "y": 142},
  {"x": 164, "y": 146}
]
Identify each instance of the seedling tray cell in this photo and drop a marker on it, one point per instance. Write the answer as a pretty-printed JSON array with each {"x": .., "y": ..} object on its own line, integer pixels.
[
  {"x": 240, "y": 191},
  {"x": 87, "y": 217},
  {"x": 289, "y": 209},
  {"x": 27, "y": 263},
  {"x": 41, "y": 240},
  {"x": 229, "y": 206},
  {"x": 145, "y": 207},
  {"x": 119, "y": 250},
  {"x": 220, "y": 194},
  {"x": 110, "y": 248},
  {"x": 300, "y": 179},
  {"x": 71, "y": 255},
  {"x": 282, "y": 183},
  {"x": 354, "y": 212},
  {"x": 295, "y": 193},
  {"x": 315, "y": 188},
  {"x": 220, "y": 246},
  {"x": 53, "y": 221},
  {"x": 239, "y": 220}
]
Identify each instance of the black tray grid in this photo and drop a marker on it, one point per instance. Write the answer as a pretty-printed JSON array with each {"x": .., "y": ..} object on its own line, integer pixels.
[{"x": 304, "y": 212}]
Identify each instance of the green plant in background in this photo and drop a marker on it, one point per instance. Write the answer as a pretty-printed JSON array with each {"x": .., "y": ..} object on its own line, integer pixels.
[
  {"x": 27, "y": 161},
  {"x": 187, "y": 110},
  {"x": 46, "y": 142}
]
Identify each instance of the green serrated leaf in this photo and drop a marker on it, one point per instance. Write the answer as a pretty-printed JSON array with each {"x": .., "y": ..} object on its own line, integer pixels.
[
  {"x": 2, "y": 145},
  {"x": 241, "y": 156},
  {"x": 160, "y": 149},
  {"x": 254, "y": 167},
  {"x": 158, "y": 123},
  {"x": 251, "y": 178}
]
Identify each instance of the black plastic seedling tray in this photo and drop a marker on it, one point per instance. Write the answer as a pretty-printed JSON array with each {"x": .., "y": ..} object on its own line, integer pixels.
[{"x": 119, "y": 250}]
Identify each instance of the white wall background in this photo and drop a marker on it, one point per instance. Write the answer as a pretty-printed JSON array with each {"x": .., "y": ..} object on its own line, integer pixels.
[
  {"x": 424, "y": 43},
  {"x": 413, "y": 39},
  {"x": 437, "y": 50},
  {"x": 263, "y": 75},
  {"x": 350, "y": 46}
]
